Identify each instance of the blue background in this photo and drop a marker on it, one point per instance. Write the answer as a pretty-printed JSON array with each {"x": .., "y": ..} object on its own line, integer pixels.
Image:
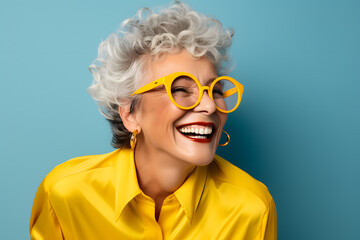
[{"x": 297, "y": 128}]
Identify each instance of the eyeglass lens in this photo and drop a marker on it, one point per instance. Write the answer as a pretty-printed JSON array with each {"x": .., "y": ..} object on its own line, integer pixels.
[{"x": 185, "y": 92}]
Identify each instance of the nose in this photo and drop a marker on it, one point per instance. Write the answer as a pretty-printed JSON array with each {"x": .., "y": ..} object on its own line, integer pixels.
[{"x": 206, "y": 105}]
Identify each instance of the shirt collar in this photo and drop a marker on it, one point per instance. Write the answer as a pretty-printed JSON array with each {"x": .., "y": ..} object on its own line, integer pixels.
[
  {"x": 127, "y": 186},
  {"x": 189, "y": 194}
]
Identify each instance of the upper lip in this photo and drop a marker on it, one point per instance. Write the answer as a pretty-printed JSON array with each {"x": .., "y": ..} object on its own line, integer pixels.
[{"x": 197, "y": 123}]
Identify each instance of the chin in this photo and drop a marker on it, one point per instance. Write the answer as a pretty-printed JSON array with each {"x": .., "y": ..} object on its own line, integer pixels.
[
  {"x": 199, "y": 158},
  {"x": 205, "y": 162},
  {"x": 196, "y": 153}
]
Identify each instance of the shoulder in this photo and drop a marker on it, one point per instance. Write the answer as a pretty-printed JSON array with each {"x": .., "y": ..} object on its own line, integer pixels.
[
  {"x": 238, "y": 182},
  {"x": 73, "y": 170}
]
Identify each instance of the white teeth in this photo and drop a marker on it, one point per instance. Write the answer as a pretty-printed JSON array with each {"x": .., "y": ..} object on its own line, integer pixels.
[
  {"x": 208, "y": 130},
  {"x": 197, "y": 130},
  {"x": 198, "y": 137}
]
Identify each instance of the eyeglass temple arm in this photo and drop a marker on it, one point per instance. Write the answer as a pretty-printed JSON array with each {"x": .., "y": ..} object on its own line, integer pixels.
[
  {"x": 234, "y": 90},
  {"x": 149, "y": 86},
  {"x": 229, "y": 92}
]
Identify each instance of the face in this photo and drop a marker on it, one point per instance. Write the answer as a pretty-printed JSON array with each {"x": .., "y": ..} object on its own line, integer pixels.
[{"x": 190, "y": 136}]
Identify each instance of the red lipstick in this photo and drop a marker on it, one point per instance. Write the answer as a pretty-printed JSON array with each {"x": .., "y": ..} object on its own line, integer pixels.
[{"x": 204, "y": 138}]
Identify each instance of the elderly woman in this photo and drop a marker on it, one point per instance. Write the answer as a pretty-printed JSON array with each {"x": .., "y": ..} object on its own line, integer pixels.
[{"x": 158, "y": 83}]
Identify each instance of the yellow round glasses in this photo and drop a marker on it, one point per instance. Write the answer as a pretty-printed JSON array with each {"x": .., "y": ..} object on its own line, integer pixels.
[{"x": 186, "y": 92}]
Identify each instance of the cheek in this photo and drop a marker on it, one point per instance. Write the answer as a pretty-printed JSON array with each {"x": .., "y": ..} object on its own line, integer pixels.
[
  {"x": 222, "y": 118},
  {"x": 163, "y": 107},
  {"x": 159, "y": 113}
]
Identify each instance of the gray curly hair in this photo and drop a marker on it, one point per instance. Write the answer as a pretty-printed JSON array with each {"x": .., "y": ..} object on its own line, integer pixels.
[{"x": 120, "y": 64}]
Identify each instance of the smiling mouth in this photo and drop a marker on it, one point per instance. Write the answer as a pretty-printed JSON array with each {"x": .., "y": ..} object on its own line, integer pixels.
[{"x": 197, "y": 131}]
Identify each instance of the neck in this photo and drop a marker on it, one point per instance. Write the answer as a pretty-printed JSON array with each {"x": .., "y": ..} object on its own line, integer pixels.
[{"x": 159, "y": 174}]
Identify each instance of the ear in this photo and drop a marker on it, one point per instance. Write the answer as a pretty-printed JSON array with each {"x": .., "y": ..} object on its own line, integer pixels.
[{"x": 129, "y": 119}]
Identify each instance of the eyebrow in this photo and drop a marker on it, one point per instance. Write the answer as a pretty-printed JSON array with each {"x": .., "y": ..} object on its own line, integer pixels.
[{"x": 209, "y": 81}]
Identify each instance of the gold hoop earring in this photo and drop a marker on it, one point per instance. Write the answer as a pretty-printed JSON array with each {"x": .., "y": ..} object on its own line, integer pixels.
[
  {"x": 227, "y": 141},
  {"x": 133, "y": 139}
]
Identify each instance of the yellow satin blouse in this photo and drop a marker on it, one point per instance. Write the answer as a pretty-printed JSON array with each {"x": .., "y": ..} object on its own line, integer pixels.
[{"x": 98, "y": 197}]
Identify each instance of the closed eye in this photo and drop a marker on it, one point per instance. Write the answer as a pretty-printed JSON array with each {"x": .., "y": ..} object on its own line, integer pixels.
[
  {"x": 217, "y": 93},
  {"x": 179, "y": 89}
]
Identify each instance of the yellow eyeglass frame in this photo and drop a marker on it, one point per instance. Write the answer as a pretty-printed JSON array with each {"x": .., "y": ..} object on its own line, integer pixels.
[{"x": 168, "y": 79}]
